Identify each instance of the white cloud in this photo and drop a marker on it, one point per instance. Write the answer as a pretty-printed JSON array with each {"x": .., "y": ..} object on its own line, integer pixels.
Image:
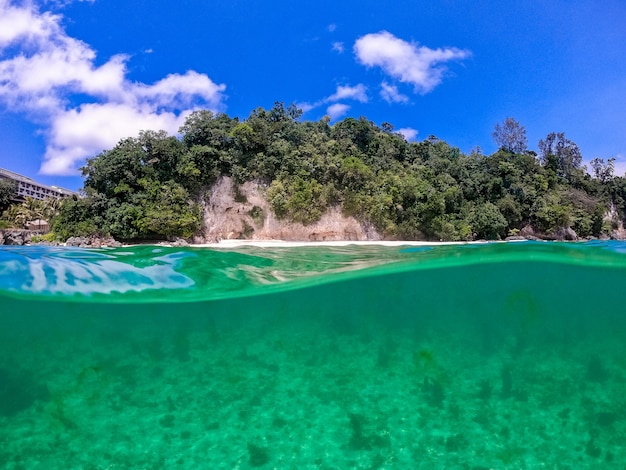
[
  {"x": 408, "y": 133},
  {"x": 306, "y": 107},
  {"x": 342, "y": 92},
  {"x": 406, "y": 61},
  {"x": 337, "y": 110},
  {"x": 332, "y": 27},
  {"x": 63, "y": 3},
  {"x": 391, "y": 94},
  {"x": 57, "y": 71},
  {"x": 48, "y": 68},
  {"x": 88, "y": 130},
  {"x": 23, "y": 23},
  {"x": 357, "y": 93},
  {"x": 181, "y": 91},
  {"x": 338, "y": 47}
]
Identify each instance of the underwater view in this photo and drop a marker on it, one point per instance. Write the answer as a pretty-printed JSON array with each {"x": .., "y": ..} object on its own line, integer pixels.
[{"x": 472, "y": 356}]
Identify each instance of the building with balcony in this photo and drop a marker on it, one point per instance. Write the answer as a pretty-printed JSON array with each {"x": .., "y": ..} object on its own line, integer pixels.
[{"x": 27, "y": 187}]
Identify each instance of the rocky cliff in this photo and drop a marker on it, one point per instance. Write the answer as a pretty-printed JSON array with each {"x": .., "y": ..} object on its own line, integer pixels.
[
  {"x": 242, "y": 212},
  {"x": 17, "y": 236}
]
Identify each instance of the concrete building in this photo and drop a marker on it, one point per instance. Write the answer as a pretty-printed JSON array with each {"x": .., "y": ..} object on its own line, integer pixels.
[{"x": 28, "y": 187}]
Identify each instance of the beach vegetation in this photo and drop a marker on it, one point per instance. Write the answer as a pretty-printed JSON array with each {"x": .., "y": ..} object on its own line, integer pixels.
[
  {"x": 257, "y": 215},
  {"x": 511, "y": 136},
  {"x": 151, "y": 186},
  {"x": 8, "y": 189}
]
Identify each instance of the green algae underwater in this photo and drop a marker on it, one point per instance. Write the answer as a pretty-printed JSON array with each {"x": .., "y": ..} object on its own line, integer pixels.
[{"x": 477, "y": 356}]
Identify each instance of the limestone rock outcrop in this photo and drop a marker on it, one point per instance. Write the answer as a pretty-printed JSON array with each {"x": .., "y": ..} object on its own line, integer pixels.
[{"x": 243, "y": 212}]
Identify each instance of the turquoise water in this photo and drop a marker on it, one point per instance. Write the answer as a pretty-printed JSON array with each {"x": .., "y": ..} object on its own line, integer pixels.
[{"x": 463, "y": 357}]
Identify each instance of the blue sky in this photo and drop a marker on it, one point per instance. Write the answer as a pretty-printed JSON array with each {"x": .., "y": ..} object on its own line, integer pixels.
[{"x": 76, "y": 76}]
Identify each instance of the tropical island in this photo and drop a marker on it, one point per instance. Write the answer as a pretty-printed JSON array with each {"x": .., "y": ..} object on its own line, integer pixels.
[{"x": 272, "y": 175}]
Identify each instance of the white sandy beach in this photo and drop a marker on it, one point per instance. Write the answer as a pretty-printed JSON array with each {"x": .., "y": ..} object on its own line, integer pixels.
[
  {"x": 282, "y": 243},
  {"x": 287, "y": 244}
]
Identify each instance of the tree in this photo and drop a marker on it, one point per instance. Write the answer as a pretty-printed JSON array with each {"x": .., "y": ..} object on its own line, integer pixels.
[
  {"x": 604, "y": 171},
  {"x": 167, "y": 211},
  {"x": 301, "y": 199},
  {"x": 511, "y": 136},
  {"x": 76, "y": 218},
  {"x": 561, "y": 155},
  {"x": 116, "y": 172},
  {"x": 359, "y": 132},
  {"x": 387, "y": 127},
  {"x": 162, "y": 153},
  {"x": 149, "y": 186},
  {"x": 487, "y": 221},
  {"x": 203, "y": 127},
  {"x": 8, "y": 190},
  {"x": 551, "y": 212},
  {"x": 279, "y": 113},
  {"x": 16, "y": 215},
  {"x": 32, "y": 209}
]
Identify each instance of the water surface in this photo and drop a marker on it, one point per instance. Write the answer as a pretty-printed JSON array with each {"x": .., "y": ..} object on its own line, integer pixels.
[{"x": 465, "y": 356}]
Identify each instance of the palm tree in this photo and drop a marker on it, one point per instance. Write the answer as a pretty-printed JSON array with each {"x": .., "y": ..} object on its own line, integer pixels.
[
  {"x": 17, "y": 215},
  {"x": 51, "y": 207},
  {"x": 32, "y": 209}
]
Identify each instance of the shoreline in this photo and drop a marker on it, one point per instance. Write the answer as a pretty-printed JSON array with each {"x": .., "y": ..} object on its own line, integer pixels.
[{"x": 335, "y": 243}]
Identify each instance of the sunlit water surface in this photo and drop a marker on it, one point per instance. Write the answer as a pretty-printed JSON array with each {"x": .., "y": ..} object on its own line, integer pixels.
[{"x": 469, "y": 356}]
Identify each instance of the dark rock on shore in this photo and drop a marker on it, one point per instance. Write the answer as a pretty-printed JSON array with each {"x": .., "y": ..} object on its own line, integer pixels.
[
  {"x": 78, "y": 241},
  {"x": 514, "y": 238},
  {"x": 19, "y": 237},
  {"x": 565, "y": 234},
  {"x": 560, "y": 234},
  {"x": 85, "y": 242},
  {"x": 16, "y": 237}
]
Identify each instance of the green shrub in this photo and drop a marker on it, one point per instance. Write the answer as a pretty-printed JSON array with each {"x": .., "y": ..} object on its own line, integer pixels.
[
  {"x": 257, "y": 214},
  {"x": 46, "y": 237},
  {"x": 301, "y": 200}
]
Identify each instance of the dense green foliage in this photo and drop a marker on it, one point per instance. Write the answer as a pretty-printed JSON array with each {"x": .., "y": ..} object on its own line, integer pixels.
[
  {"x": 151, "y": 186},
  {"x": 30, "y": 211},
  {"x": 139, "y": 189},
  {"x": 8, "y": 188}
]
